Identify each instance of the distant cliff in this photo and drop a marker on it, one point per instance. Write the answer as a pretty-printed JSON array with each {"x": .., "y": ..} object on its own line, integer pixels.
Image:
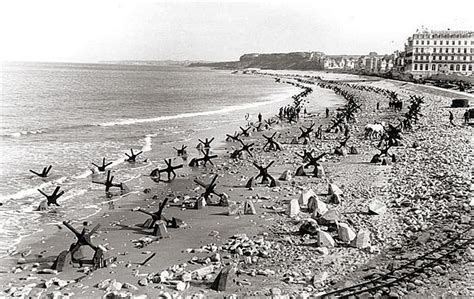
[{"x": 275, "y": 61}]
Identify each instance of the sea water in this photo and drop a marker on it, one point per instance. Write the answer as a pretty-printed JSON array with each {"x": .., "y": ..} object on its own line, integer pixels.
[{"x": 70, "y": 115}]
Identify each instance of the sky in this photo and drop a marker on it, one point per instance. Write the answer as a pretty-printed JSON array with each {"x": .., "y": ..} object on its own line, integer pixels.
[{"x": 98, "y": 30}]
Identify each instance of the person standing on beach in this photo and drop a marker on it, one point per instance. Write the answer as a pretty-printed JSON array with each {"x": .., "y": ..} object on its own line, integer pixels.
[
  {"x": 466, "y": 117},
  {"x": 327, "y": 112},
  {"x": 378, "y": 105},
  {"x": 451, "y": 119},
  {"x": 259, "y": 117}
]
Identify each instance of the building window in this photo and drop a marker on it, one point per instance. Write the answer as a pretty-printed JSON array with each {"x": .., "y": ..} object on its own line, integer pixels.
[
  {"x": 464, "y": 58},
  {"x": 433, "y": 67},
  {"x": 470, "y": 67},
  {"x": 434, "y": 50},
  {"x": 465, "y": 42},
  {"x": 434, "y": 42},
  {"x": 451, "y": 67},
  {"x": 457, "y": 67},
  {"x": 452, "y": 57},
  {"x": 416, "y": 42},
  {"x": 427, "y": 42},
  {"x": 434, "y": 58},
  {"x": 459, "y": 50},
  {"x": 416, "y": 50},
  {"x": 463, "y": 67},
  {"x": 441, "y": 42},
  {"x": 416, "y": 67},
  {"x": 452, "y": 50},
  {"x": 453, "y": 43},
  {"x": 446, "y": 50},
  {"x": 422, "y": 50},
  {"x": 426, "y": 67},
  {"x": 422, "y": 42},
  {"x": 459, "y": 42},
  {"x": 465, "y": 50}
]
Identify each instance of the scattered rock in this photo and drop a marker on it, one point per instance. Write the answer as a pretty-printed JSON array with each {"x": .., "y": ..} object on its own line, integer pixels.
[
  {"x": 287, "y": 175},
  {"x": 362, "y": 239},
  {"x": 293, "y": 208},
  {"x": 377, "y": 207},
  {"x": 325, "y": 239},
  {"x": 345, "y": 232},
  {"x": 305, "y": 197}
]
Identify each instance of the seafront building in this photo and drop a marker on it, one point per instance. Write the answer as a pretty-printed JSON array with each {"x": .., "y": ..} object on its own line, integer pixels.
[{"x": 429, "y": 53}]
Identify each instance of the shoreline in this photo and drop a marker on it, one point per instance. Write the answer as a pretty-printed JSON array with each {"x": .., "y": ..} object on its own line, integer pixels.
[{"x": 359, "y": 180}]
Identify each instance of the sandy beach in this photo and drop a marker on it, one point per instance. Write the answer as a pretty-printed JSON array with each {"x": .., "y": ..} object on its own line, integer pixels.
[{"x": 421, "y": 200}]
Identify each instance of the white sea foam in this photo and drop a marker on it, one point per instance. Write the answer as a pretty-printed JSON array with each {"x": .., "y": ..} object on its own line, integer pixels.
[
  {"x": 31, "y": 191},
  {"x": 229, "y": 109}
]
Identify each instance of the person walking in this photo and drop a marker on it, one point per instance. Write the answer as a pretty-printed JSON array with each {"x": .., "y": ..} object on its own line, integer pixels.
[
  {"x": 466, "y": 117},
  {"x": 451, "y": 118},
  {"x": 327, "y": 112}
]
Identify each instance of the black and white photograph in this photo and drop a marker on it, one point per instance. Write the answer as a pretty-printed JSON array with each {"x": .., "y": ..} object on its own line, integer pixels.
[{"x": 236, "y": 149}]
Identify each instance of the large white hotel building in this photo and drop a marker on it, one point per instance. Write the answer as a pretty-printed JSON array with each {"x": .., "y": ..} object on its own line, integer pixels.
[{"x": 433, "y": 52}]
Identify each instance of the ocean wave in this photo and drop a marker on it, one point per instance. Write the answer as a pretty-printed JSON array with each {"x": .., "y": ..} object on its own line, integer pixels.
[
  {"x": 32, "y": 191},
  {"x": 23, "y": 133},
  {"x": 228, "y": 109}
]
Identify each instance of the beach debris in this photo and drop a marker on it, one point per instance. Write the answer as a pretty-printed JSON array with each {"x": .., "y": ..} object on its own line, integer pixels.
[
  {"x": 287, "y": 175},
  {"x": 160, "y": 230},
  {"x": 362, "y": 239},
  {"x": 206, "y": 158},
  {"x": 271, "y": 144},
  {"x": 43, "y": 173},
  {"x": 377, "y": 207},
  {"x": 320, "y": 278},
  {"x": 133, "y": 156},
  {"x": 224, "y": 279},
  {"x": 305, "y": 196},
  {"x": 83, "y": 239},
  {"x": 334, "y": 189},
  {"x": 309, "y": 226},
  {"x": 345, "y": 232},
  {"x": 306, "y": 133},
  {"x": 263, "y": 173},
  {"x": 234, "y": 209},
  {"x": 251, "y": 183},
  {"x": 148, "y": 259},
  {"x": 109, "y": 183},
  {"x": 317, "y": 206},
  {"x": 325, "y": 239},
  {"x": 249, "y": 208},
  {"x": 181, "y": 152},
  {"x": 353, "y": 150},
  {"x": 300, "y": 171},
  {"x": 330, "y": 217},
  {"x": 340, "y": 150},
  {"x": 63, "y": 261},
  {"x": 209, "y": 189},
  {"x": 156, "y": 173},
  {"x": 377, "y": 158},
  {"x": 306, "y": 155},
  {"x": 245, "y": 132},
  {"x": 314, "y": 162},
  {"x": 246, "y": 148},
  {"x": 206, "y": 144},
  {"x": 53, "y": 198},
  {"x": 156, "y": 216},
  {"x": 293, "y": 208},
  {"x": 103, "y": 166}
]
